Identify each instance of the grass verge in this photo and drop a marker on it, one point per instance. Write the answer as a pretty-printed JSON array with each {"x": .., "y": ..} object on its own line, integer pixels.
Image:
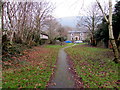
[
  {"x": 95, "y": 66},
  {"x": 31, "y": 70}
]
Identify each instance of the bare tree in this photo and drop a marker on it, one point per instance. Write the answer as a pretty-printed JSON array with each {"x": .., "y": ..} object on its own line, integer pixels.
[
  {"x": 91, "y": 20},
  {"x": 24, "y": 20},
  {"x": 62, "y": 34},
  {"x": 42, "y": 12},
  {"x": 52, "y": 29},
  {"x": 111, "y": 36},
  {"x": 10, "y": 12}
]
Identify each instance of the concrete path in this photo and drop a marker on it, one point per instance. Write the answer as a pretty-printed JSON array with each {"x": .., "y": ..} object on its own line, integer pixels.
[{"x": 63, "y": 78}]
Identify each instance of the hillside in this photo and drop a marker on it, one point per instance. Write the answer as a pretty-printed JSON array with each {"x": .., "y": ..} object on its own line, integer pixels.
[{"x": 68, "y": 21}]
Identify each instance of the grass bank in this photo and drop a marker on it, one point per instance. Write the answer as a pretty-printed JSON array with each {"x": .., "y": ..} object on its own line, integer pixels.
[
  {"x": 95, "y": 66},
  {"x": 32, "y": 69}
]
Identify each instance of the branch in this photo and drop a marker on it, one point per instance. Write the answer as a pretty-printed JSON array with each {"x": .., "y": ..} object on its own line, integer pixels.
[
  {"x": 102, "y": 11},
  {"x": 88, "y": 27}
]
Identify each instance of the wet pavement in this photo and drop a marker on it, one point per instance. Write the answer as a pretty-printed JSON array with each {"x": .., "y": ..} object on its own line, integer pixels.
[{"x": 62, "y": 78}]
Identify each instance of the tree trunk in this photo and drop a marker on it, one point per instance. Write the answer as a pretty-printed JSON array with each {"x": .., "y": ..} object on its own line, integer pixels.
[
  {"x": 2, "y": 13},
  {"x": 11, "y": 37},
  {"x": 115, "y": 50},
  {"x": 93, "y": 43},
  {"x": 111, "y": 37},
  {"x": 112, "y": 40},
  {"x": 118, "y": 43}
]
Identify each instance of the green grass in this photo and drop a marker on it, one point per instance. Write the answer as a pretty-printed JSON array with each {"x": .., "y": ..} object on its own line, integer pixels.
[
  {"x": 58, "y": 46},
  {"x": 95, "y": 66},
  {"x": 37, "y": 70},
  {"x": 30, "y": 77}
]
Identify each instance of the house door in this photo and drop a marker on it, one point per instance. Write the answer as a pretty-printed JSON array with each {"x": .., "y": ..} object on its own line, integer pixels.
[{"x": 76, "y": 38}]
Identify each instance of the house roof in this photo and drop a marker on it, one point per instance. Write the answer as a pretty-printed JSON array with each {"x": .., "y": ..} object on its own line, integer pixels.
[
  {"x": 77, "y": 32},
  {"x": 43, "y": 33},
  {"x": 82, "y": 30}
]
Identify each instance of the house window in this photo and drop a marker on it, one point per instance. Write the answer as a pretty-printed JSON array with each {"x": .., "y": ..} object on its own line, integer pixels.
[
  {"x": 71, "y": 38},
  {"x": 71, "y": 34}
]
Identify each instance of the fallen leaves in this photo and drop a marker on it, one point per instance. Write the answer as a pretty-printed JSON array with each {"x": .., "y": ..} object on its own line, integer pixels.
[
  {"x": 94, "y": 66},
  {"x": 31, "y": 70}
]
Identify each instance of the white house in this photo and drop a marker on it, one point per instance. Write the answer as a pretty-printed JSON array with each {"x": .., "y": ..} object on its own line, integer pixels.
[
  {"x": 43, "y": 36},
  {"x": 75, "y": 35}
]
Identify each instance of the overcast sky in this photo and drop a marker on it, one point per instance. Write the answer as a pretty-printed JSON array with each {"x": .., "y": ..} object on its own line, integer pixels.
[{"x": 66, "y": 8}]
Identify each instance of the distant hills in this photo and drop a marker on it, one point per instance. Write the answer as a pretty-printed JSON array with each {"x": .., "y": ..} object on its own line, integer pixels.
[
  {"x": 72, "y": 22},
  {"x": 68, "y": 21}
]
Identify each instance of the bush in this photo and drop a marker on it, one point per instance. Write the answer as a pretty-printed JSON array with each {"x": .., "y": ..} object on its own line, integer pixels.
[
  {"x": 32, "y": 43},
  {"x": 9, "y": 50}
]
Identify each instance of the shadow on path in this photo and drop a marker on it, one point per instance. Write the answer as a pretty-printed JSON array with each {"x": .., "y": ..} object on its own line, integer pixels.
[{"x": 62, "y": 78}]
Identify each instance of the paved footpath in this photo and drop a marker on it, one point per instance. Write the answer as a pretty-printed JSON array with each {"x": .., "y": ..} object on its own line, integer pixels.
[{"x": 63, "y": 78}]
